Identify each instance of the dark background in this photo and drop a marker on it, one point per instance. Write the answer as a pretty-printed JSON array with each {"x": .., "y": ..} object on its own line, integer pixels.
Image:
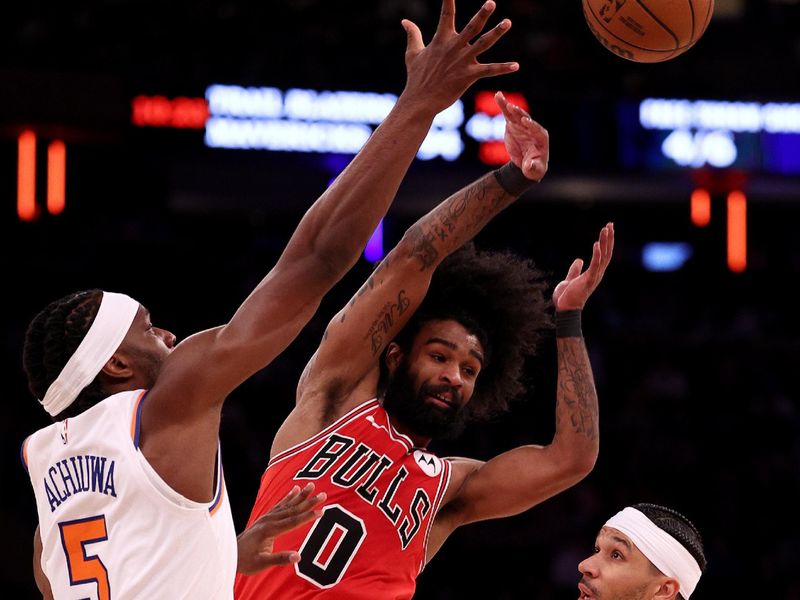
[{"x": 695, "y": 368}]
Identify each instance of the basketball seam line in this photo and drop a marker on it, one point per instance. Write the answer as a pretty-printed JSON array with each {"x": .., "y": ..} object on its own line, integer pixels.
[
  {"x": 614, "y": 35},
  {"x": 657, "y": 20}
]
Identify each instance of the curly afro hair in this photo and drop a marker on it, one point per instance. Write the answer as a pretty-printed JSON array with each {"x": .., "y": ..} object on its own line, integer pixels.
[
  {"x": 52, "y": 337},
  {"x": 679, "y": 527},
  {"x": 499, "y": 297}
]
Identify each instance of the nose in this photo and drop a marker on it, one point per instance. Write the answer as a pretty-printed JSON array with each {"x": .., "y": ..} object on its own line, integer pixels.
[
  {"x": 168, "y": 337},
  {"x": 451, "y": 374},
  {"x": 588, "y": 567}
]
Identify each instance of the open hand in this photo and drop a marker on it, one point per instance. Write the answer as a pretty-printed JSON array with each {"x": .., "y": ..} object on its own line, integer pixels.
[
  {"x": 439, "y": 73},
  {"x": 527, "y": 142},
  {"x": 256, "y": 542},
  {"x": 574, "y": 291}
]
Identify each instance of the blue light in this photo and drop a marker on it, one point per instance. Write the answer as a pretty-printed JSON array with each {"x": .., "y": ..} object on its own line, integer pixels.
[
  {"x": 782, "y": 153},
  {"x": 374, "y": 250},
  {"x": 665, "y": 256}
]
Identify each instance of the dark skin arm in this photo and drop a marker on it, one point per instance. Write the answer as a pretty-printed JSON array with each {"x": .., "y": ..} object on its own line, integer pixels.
[
  {"x": 181, "y": 416},
  {"x": 343, "y": 373}
]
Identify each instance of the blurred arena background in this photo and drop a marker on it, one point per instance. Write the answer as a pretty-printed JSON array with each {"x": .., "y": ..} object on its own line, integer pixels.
[{"x": 693, "y": 334}]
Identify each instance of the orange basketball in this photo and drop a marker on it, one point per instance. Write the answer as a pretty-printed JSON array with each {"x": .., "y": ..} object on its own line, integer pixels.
[{"x": 648, "y": 31}]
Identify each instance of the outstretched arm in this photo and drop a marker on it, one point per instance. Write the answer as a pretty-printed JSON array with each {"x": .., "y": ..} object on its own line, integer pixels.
[
  {"x": 182, "y": 411},
  {"x": 348, "y": 355},
  {"x": 336, "y": 228},
  {"x": 334, "y": 231},
  {"x": 523, "y": 477}
]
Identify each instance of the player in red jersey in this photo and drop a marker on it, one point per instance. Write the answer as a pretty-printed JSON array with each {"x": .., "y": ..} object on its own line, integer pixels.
[
  {"x": 77, "y": 360},
  {"x": 383, "y": 383}
]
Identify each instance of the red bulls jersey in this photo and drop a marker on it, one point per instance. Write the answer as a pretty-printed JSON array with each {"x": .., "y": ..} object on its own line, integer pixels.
[{"x": 370, "y": 542}]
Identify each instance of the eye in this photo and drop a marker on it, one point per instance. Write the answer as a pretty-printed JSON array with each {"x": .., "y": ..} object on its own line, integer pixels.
[
  {"x": 595, "y": 550},
  {"x": 437, "y": 357},
  {"x": 469, "y": 371},
  {"x": 617, "y": 555}
]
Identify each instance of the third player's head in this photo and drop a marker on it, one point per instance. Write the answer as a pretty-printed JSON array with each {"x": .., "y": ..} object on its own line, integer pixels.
[
  {"x": 461, "y": 357},
  {"x": 76, "y": 354},
  {"x": 644, "y": 552}
]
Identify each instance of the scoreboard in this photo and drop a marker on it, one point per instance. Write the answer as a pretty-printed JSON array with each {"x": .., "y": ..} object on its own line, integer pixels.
[{"x": 660, "y": 134}]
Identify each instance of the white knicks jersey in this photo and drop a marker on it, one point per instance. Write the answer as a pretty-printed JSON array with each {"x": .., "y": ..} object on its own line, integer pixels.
[{"x": 111, "y": 528}]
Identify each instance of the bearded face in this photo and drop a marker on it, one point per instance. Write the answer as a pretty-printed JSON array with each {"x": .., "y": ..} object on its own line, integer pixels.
[{"x": 431, "y": 411}]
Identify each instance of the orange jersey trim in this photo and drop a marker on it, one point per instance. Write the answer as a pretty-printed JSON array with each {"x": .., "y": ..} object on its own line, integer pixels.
[
  {"x": 23, "y": 452},
  {"x": 220, "y": 487}
]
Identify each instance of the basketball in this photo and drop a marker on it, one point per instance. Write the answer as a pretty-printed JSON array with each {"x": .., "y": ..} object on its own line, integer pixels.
[{"x": 648, "y": 31}]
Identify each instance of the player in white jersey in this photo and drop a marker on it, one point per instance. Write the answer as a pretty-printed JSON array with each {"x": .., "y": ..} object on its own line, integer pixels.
[
  {"x": 93, "y": 487},
  {"x": 86, "y": 354}
]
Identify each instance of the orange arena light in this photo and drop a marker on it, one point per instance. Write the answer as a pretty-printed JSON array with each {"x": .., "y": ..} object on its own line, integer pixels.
[
  {"x": 737, "y": 231},
  {"x": 26, "y": 176},
  {"x": 701, "y": 207},
  {"x": 56, "y": 177}
]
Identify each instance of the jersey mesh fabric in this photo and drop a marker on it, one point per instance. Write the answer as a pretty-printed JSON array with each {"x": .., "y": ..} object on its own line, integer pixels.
[{"x": 371, "y": 539}]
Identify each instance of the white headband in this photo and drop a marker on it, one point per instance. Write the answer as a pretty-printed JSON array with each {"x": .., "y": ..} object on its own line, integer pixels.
[
  {"x": 661, "y": 549},
  {"x": 113, "y": 320}
]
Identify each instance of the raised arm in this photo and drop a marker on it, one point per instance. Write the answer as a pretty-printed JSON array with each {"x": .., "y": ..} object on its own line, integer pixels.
[
  {"x": 334, "y": 231},
  {"x": 348, "y": 355},
  {"x": 523, "y": 477},
  {"x": 182, "y": 411}
]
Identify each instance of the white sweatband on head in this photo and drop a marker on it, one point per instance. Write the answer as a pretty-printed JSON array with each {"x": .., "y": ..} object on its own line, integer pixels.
[
  {"x": 664, "y": 551},
  {"x": 113, "y": 320}
]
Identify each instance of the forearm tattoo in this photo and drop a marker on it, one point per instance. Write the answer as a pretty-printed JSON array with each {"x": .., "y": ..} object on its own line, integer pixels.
[
  {"x": 577, "y": 397},
  {"x": 456, "y": 220},
  {"x": 434, "y": 236},
  {"x": 383, "y": 323},
  {"x": 368, "y": 285}
]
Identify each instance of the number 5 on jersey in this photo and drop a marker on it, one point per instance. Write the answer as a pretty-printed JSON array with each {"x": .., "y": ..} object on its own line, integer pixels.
[{"x": 83, "y": 567}]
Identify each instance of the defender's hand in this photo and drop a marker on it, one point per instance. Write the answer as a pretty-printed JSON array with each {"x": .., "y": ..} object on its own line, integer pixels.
[
  {"x": 439, "y": 73},
  {"x": 256, "y": 542}
]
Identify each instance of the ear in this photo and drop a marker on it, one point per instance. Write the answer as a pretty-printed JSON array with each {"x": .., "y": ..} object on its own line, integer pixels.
[
  {"x": 119, "y": 366},
  {"x": 668, "y": 590},
  {"x": 394, "y": 355}
]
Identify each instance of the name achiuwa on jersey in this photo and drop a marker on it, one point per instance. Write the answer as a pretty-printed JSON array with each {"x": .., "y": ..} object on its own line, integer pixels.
[{"x": 78, "y": 474}]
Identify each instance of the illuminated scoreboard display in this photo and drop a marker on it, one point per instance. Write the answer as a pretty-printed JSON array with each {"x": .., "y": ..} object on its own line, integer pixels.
[
  {"x": 668, "y": 134},
  {"x": 322, "y": 121}
]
